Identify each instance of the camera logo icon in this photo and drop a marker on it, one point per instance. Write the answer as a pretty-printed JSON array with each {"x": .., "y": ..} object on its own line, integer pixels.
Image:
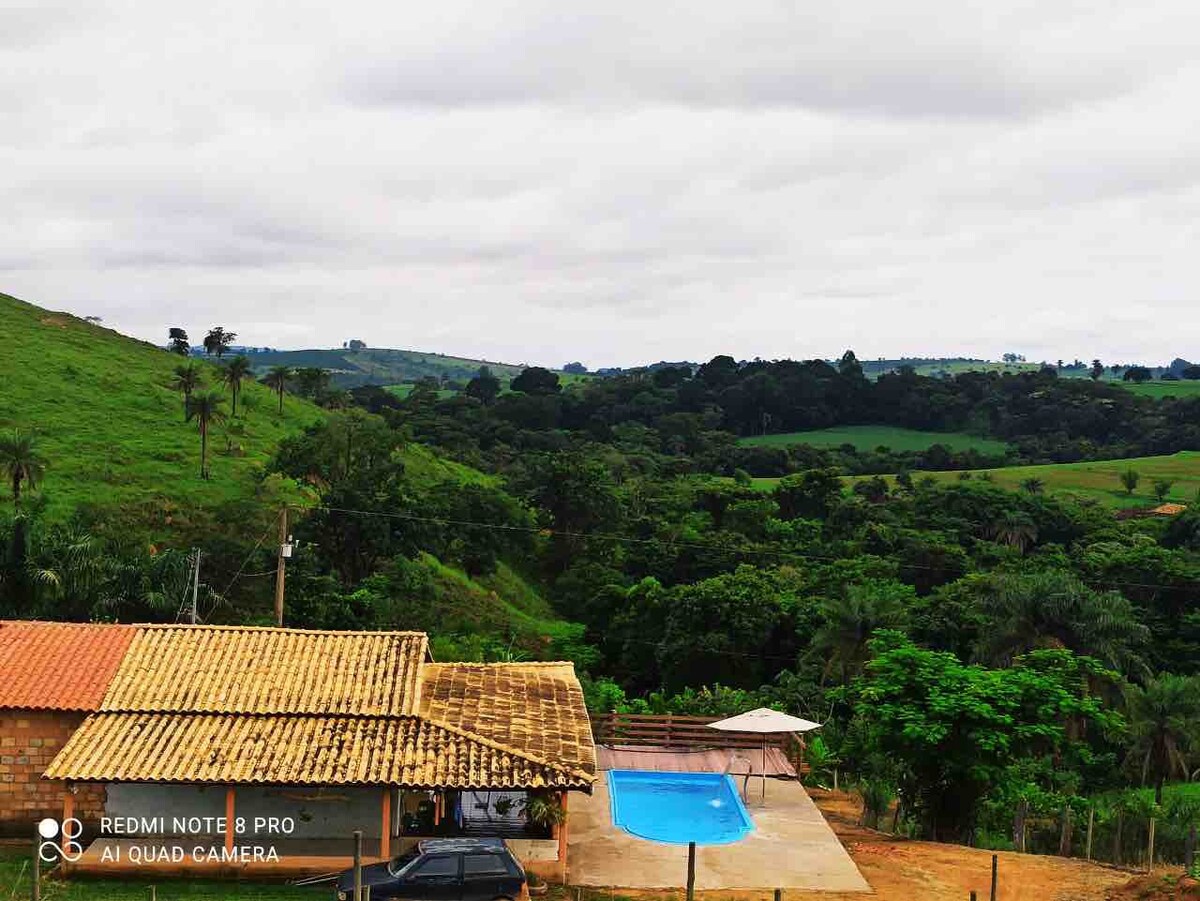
[{"x": 49, "y": 850}]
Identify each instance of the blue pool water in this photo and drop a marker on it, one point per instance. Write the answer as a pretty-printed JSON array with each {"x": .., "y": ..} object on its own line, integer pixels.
[{"x": 678, "y": 808}]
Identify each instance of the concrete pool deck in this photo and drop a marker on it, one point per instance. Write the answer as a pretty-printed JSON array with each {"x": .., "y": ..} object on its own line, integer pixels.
[{"x": 791, "y": 847}]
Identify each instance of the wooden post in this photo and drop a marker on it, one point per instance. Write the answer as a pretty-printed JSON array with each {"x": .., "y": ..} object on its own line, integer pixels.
[
  {"x": 1019, "y": 824},
  {"x": 229, "y": 823},
  {"x": 1064, "y": 838},
  {"x": 995, "y": 875},
  {"x": 778, "y": 894},
  {"x": 563, "y": 837},
  {"x": 357, "y": 865},
  {"x": 1091, "y": 827},
  {"x": 37, "y": 864},
  {"x": 1189, "y": 849},
  {"x": 153, "y": 893},
  {"x": 385, "y": 837},
  {"x": 280, "y": 569},
  {"x": 691, "y": 874},
  {"x": 1117, "y": 837},
  {"x": 974, "y": 897},
  {"x": 1150, "y": 847},
  {"x": 67, "y": 814}
]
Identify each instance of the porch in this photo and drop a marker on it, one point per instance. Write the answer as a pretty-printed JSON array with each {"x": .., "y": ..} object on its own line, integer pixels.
[{"x": 291, "y": 832}]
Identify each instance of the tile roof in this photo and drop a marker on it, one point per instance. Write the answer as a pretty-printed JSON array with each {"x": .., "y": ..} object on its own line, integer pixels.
[
  {"x": 58, "y": 666},
  {"x": 296, "y": 750},
  {"x": 236, "y": 669},
  {"x": 536, "y": 709}
]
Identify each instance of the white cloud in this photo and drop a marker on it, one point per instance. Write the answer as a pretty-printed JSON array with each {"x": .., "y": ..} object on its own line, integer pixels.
[{"x": 527, "y": 181}]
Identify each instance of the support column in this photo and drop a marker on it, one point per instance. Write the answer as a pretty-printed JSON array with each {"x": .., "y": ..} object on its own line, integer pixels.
[
  {"x": 385, "y": 839},
  {"x": 563, "y": 836},
  {"x": 229, "y": 817},
  {"x": 67, "y": 814}
]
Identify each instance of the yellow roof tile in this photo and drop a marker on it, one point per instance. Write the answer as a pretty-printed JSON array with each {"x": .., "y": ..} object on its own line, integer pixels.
[
  {"x": 535, "y": 709},
  {"x": 236, "y": 669},
  {"x": 295, "y": 750}
]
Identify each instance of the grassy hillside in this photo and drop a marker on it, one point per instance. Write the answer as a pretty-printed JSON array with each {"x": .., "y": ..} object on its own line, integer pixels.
[
  {"x": 1164, "y": 389},
  {"x": 383, "y": 366},
  {"x": 112, "y": 431},
  {"x": 869, "y": 437},
  {"x": 1098, "y": 481}
]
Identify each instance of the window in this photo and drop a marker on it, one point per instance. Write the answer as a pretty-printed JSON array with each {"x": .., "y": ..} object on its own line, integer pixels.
[
  {"x": 437, "y": 868},
  {"x": 484, "y": 865}
]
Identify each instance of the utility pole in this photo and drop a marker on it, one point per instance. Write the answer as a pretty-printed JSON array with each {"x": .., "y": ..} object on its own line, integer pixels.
[
  {"x": 284, "y": 553},
  {"x": 195, "y": 586}
]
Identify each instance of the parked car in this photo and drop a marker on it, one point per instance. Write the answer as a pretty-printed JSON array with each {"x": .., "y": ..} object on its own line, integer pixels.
[{"x": 443, "y": 869}]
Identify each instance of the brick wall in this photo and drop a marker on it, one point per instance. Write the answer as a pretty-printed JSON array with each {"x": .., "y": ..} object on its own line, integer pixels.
[{"x": 28, "y": 742}]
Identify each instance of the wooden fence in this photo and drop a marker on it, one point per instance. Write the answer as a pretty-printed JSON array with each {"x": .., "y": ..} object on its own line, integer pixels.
[{"x": 671, "y": 731}]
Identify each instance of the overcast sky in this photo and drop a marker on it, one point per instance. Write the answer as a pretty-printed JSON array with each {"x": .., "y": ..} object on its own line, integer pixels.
[{"x": 543, "y": 182}]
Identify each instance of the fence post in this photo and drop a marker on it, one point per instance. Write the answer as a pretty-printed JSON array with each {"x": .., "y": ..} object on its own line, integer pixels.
[
  {"x": 778, "y": 894},
  {"x": 691, "y": 874},
  {"x": 995, "y": 875},
  {"x": 1064, "y": 839},
  {"x": 37, "y": 864},
  {"x": 1150, "y": 847},
  {"x": 1117, "y": 837},
  {"x": 1019, "y": 825},
  {"x": 1091, "y": 826}
]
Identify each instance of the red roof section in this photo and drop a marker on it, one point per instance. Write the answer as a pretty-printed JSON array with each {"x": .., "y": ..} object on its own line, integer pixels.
[{"x": 59, "y": 666}]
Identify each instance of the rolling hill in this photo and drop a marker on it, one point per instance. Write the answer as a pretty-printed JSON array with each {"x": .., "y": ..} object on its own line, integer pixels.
[
  {"x": 111, "y": 429},
  {"x": 382, "y": 366}
]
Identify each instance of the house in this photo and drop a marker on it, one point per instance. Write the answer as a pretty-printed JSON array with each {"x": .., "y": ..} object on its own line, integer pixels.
[
  {"x": 52, "y": 675},
  {"x": 261, "y": 750}
]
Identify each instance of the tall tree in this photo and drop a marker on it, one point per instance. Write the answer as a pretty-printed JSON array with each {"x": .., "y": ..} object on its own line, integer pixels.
[
  {"x": 1164, "y": 720},
  {"x": 233, "y": 375},
  {"x": 217, "y": 341},
  {"x": 850, "y": 622},
  {"x": 187, "y": 379},
  {"x": 21, "y": 461},
  {"x": 178, "y": 342},
  {"x": 277, "y": 378},
  {"x": 1129, "y": 480},
  {"x": 206, "y": 410},
  {"x": 1054, "y": 609}
]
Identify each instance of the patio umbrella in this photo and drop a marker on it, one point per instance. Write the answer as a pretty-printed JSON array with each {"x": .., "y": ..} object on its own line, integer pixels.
[{"x": 765, "y": 722}]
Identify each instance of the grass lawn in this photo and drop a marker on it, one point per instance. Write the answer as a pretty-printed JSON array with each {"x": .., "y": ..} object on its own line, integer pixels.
[
  {"x": 869, "y": 437},
  {"x": 111, "y": 429},
  {"x": 1098, "y": 481},
  {"x": 1164, "y": 389},
  {"x": 15, "y": 883}
]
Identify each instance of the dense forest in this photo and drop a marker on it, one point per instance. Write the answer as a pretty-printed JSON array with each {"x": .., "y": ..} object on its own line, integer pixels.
[{"x": 964, "y": 645}]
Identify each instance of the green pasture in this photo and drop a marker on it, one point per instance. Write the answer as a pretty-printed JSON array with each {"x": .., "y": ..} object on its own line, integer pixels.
[
  {"x": 869, "y": 437},
  {"x": 111, "y": 429}
]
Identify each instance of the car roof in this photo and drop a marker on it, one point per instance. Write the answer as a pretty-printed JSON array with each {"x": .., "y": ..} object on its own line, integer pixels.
[{"x": 438, "y": 845}]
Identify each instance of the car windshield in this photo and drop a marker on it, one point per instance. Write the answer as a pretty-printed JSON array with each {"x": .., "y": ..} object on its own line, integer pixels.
[{"x": 400, "y": 863}]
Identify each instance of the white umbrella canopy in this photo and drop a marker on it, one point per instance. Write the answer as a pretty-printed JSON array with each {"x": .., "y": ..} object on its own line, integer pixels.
[{"x": 764, "y": 721}]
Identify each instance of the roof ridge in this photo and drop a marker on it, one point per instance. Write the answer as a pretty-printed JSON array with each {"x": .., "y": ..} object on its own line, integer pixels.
[
  {"x": 407, "y": 633},
  {"x": 503, "y": 663},
  {"x": 507, "y": 749}
]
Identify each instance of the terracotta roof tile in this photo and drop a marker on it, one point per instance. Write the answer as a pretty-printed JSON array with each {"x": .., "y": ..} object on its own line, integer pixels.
[
  {"x": 295, "y": 750},
  {"x": 235, "y": 669},
  {"x": 59, "y": 666},
  {"x": 535, "y": 709}
]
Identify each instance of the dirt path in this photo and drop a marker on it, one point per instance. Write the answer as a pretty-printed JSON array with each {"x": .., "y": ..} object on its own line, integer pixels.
[{"x": 902, "y": 870}]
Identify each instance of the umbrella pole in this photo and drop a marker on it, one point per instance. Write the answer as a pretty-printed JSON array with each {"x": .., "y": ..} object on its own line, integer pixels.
[{"x": 764, "y": 767}]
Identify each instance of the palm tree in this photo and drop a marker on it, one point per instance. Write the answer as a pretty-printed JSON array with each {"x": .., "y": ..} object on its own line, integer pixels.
[
  {"x": 1129, "y": 480},
  {"x": 188, "y": 378},
  {"x": 850, "y": 622},
  {"x": 1014, "y": 529},
  {"x": 1163, "y": 722},
  {"x": 277, "y": 378},
  {"x": 1033, "y": 485},
  {"x": 1053, "y": 609},
  {"x": 232, "y": 376},
  {"x": 205, "y": 409},
  {"x": 22, "y": 463}
]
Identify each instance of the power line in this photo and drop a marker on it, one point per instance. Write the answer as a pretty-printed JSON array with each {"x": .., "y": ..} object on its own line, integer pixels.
[
  {"x": 629, "y": 539},
  {"x": 221, "y": 597}
]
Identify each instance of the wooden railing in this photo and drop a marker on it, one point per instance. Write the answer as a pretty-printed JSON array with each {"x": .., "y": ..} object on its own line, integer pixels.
[{"x": 671, "y": 731}]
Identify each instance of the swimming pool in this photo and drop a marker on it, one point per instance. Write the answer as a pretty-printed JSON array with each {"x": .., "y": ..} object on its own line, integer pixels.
[{"x": 678, "y": 808}]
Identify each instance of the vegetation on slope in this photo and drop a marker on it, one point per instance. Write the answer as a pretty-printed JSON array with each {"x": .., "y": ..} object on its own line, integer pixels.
[{"x": 111, "y": 427}]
